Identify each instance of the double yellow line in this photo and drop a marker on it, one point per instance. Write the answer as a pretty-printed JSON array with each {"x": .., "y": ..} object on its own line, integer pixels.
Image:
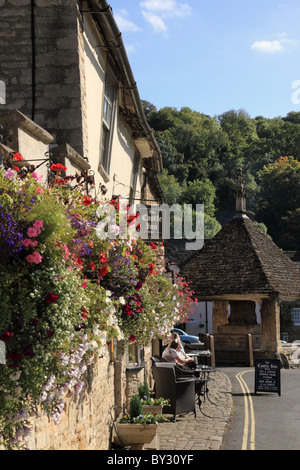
[{"x": 249, "y": 414}]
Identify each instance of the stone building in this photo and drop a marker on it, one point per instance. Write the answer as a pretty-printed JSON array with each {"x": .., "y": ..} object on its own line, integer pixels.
[
  {"x": 71, "y": 98},
  {"x": 236, "y": 270}
]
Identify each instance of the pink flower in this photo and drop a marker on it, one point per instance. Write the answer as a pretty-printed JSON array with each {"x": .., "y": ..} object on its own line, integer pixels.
[
  {"x": 27, "y": 242},
  {"x": 37, "y": 257},
  {"x": 66, "y": 251},
  {"x": 38, "y": 224},
  {"x": 31, "y": 232},
  {"x": 36, "y": 176},
  {"x": 30, "y": 259},
  {"x": 34, "y": 243}
]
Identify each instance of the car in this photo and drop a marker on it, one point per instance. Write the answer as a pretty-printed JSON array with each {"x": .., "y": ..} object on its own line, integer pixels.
[{"x": 184, "y": 337}]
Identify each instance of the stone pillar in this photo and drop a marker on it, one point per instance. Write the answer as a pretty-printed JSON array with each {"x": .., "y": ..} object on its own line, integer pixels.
[
  {"x": 220, "y": 314},
  {"x": 270, "y": 326}
]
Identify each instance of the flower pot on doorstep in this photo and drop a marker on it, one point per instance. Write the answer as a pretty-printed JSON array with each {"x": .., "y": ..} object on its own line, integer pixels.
[{"x": 134, "y": 435}]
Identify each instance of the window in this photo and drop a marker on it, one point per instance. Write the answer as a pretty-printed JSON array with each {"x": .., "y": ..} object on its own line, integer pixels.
[
  {"x": 135, "y": 356},
  {"x": 109, "y": 106},
  {"x": 296, "y": 316}
]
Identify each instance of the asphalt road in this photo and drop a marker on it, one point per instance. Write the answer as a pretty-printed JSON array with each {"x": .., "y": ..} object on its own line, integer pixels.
[{"x": 263, "y": 421}]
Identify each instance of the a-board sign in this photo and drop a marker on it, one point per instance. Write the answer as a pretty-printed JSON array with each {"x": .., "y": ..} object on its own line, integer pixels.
[{"x": 267, "y": 376}]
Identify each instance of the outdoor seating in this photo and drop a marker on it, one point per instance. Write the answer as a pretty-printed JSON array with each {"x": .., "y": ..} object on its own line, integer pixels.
[{"x": 179, "y": 391}]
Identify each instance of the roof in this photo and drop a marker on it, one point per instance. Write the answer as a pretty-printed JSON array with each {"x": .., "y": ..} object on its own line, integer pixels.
[{"x": 241, "y": 260}]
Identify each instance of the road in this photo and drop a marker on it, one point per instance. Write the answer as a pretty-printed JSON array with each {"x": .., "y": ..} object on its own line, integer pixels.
[{"x": 263, "y": 421}]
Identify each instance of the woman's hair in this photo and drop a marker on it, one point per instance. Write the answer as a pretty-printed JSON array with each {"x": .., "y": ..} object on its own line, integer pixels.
[
  {"x": 176, "y": 337},
  {"x": 174, "y": 344}
]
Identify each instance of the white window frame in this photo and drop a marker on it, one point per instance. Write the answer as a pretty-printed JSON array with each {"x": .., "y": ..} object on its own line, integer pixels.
[
  {"x": 109, "y": 106},
  {"x": 134, "y": 177},
  {"x": 295, "y": 314}
]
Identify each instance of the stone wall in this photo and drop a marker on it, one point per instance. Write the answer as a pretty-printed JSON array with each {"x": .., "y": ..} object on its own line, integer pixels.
[
  {"x": 87, "y": 418},
  {"x": 40, "y": 63}
]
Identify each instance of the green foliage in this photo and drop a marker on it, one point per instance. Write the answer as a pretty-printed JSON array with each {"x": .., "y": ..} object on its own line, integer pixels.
[
  {"x": 199, "y": 148},
  {"x": 143, "y": 390},
  {"x": 135, "y": 407},
  {"x": 65, "y": 294}
]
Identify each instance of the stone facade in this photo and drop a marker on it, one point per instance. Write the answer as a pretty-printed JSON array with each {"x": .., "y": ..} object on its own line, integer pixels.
[
  {"x": 87, "y": 418},
  {"x": 53, "y": 64}
]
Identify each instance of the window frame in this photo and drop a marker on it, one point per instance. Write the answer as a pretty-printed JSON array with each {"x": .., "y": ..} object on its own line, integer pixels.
[
  {"x": 110, "y": 101},
  {"x": 135, "y": 356},
  {"x": 134, "y": 176},
  {"x": 295, "y": 314}
]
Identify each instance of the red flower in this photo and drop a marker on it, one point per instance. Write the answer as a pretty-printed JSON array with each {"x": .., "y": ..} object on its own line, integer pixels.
[
  {"x": 50, "y": 333},
  {"x": 87, "y": 201},
  {"x": 51, "y": 298},
  {"x": 153, "y": 246},
  {"x": 103, "y": 271},
  {"x": 132, "y": 338},
  {"x": 127, "y": 310},
  {"x": 18, "y": 157},
  {"x": 58, "y": 167},
  {"x": 6, "y": 337},
  {"x": 92, "y": 266},
  {"x": 14, "y": 356},
  {"x": 84, "y": 312},
  {"x": 151, "y": 268},
  {"x": 102, "y": 257}
]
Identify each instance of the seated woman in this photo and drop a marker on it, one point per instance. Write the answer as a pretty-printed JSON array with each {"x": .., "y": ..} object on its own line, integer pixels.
[
  {"x": 172, "y": 353},
  {"x": 183, "y": 354}
]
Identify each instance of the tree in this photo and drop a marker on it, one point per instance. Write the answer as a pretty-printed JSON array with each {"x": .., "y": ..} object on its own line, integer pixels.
[
  {"x": 279, "y": 201},
  {"x": 199, "y": 192}
]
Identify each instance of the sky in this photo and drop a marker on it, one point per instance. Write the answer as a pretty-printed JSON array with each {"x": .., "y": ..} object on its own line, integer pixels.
[{"x": 214, "y": 55}]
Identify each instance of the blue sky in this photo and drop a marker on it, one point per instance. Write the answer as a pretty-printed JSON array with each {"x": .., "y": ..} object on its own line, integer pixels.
[{"x": 214, "y": 55}]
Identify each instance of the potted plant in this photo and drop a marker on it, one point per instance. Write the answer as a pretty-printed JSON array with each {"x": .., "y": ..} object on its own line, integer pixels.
[
  {"x": 135, "y": 429},
  {"x": 151, "y": 405}
]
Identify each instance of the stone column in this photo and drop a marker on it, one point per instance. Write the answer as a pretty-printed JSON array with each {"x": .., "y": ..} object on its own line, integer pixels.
[
  {"x": 270, "y": 326},
  {"x": 220, "y": 314}
]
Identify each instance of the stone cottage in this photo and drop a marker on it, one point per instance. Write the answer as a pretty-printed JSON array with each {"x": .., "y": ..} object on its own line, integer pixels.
[
  {"x": 237, "y": 269},
  {"x": 71, "y": 98}
]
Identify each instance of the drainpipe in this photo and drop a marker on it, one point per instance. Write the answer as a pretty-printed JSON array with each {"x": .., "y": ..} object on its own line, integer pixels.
[{"x": 33, "y": 65}]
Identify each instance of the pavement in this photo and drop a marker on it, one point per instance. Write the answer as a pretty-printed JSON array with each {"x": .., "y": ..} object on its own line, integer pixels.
[{"x": 206, "y": 431}]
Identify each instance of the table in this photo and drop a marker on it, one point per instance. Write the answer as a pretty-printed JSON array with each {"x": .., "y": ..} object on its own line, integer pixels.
[{"x": 198, "y": 355}]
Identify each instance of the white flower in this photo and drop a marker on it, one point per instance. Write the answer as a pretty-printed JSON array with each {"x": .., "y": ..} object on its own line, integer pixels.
[
  {"x": 122, "y": 300},
  {"x": 93, "y": 345},
  {"x": 15, "y": 376}
]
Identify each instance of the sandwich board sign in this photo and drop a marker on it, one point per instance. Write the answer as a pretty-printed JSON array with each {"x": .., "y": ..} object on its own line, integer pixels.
[{"x": 267, "y": 376}]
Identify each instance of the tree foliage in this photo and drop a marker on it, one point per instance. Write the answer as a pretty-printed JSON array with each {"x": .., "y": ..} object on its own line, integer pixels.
[{"x": 201, "y": 156}]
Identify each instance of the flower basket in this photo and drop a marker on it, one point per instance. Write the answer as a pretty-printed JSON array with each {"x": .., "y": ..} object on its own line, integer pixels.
[{"x": 134, "y": 435}]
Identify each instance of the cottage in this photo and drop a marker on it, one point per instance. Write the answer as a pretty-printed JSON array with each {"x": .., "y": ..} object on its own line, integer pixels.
[
  {"x": 71, "y": 98},
  {"x": 238, "y": 269}
]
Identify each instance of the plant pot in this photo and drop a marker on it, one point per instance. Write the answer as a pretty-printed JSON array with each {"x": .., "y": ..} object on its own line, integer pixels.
[
  {"x": 136, "y": 436},
  {"x": 152, "y": 409}
]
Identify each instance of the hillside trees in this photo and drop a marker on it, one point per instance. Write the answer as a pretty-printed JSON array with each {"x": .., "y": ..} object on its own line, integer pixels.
[{"x": 199, "y": 148}]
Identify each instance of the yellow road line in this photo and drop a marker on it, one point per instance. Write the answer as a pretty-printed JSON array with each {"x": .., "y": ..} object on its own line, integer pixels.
[{"x": 248, "y": 404}]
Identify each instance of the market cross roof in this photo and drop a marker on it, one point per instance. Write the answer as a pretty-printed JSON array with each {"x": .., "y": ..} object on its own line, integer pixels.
[{"x": 242, "y": 260}]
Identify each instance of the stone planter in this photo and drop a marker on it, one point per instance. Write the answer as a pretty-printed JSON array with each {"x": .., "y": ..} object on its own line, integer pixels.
[
  {"x": 152, "y": 409},
  {"x": 136, "y": 436}
]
